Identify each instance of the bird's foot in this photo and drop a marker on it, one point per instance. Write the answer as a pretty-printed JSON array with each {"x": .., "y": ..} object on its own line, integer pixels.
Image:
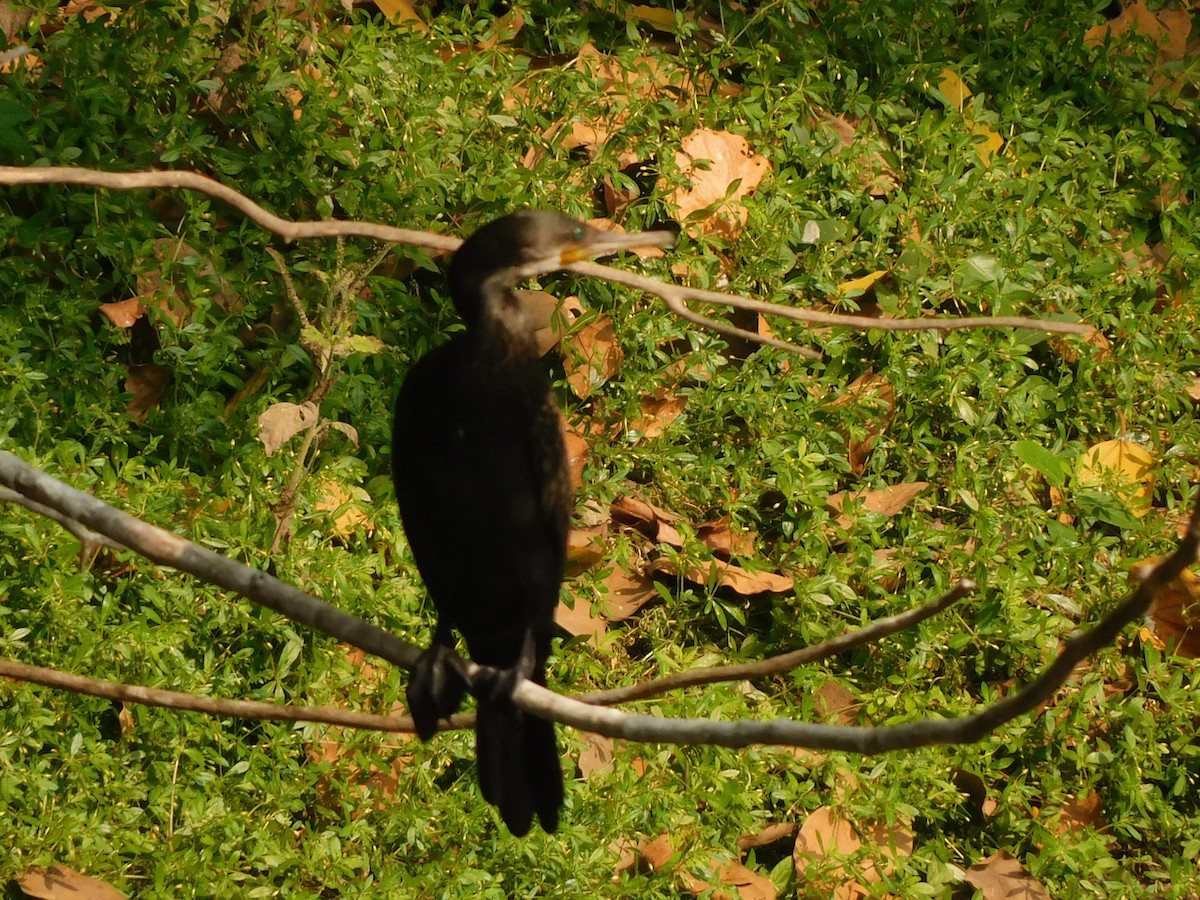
[
  {"x": 498, "y": 684},
  {"x": 436, "y": 688}
]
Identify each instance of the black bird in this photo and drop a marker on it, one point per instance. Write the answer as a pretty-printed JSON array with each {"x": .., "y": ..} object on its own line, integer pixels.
[{"x": 481, "y": 477}]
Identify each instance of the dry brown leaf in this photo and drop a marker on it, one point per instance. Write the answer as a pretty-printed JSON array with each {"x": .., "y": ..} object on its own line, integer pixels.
[
  {"x": 585, "y": 548},
  {"x": 835, "y": 702},
  {"x": 172, "y": 296},
  {"x": 1123, "y": 465},
  {"x": 729, "y": 159},
  {"x": 725, "y": 574},
  {"x": 375, "y": 784},
  {"x": 1079, "y": 814},
  {"x": 124, "y": 313},
  {"x": 1193, "y": 389},
  {"x": 127, "y": 719},
  {"x": 771, "y": 834},
  {"x": 724, "y": 543},
  {"x": 596, "y": 758},
  {"x": 335, "y": 496},
  {"x": 281, "y": 421},
  {"x": 626, "y": 593},
  {"x": 61, "y": 883},
  {"x": 647, "y": 855},
  {"x": 657, "y": 852},
  {"x": 874, "y": 392},
  {"x": 592, "y": 355},
  {"x": 659, "y": 409},
  {"x": 652, "y": 521},
  {"x": 1001, "y": 877},
  {"x": 13, "y": 18},
  {"x": 746, "y": 883},
  {"x": 825, "y": 834},
  {"x": 549, "y": 316},
  {"x": 1167, "y": 29},
  {"x": 885, "y": 502},
  {"x": 578, "y": 620},
  {"x": 578, "y": 451},
  {"x": 1176, "y": 610},
  {"x": 147, "y": 383}
]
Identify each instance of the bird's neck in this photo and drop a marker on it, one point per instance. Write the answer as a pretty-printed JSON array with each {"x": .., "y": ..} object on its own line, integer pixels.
[{"x": 502, "y": 327}]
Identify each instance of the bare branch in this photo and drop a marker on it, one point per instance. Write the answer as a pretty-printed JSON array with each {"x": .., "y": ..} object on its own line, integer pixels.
[
  {"x": 784, "y": 662},
  {"x": 213, "y": 706},
  {"x": 167, "y": 549},
  {"x": 675, "y": 296},
  {"x": 873, "y": 739},
  {"x": 82, "y": 533},
  {"x": 193, "y": 181}
]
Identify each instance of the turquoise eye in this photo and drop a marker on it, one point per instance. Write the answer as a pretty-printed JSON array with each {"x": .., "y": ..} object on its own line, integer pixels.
[{"x": 578, "y": 233}]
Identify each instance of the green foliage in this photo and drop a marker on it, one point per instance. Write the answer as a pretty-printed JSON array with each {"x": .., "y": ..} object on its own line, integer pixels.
[{"x": 181, "y": 805}]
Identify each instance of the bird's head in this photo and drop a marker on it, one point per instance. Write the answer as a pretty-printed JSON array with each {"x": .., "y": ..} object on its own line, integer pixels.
[{"x": 524, "y": 244}]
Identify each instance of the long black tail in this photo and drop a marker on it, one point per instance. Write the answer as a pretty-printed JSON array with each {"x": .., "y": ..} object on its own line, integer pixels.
[{"x": 519, "y": 770}]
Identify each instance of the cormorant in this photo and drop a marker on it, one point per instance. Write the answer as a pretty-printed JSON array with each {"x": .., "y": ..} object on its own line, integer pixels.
[{"x": 481, "y": 478}]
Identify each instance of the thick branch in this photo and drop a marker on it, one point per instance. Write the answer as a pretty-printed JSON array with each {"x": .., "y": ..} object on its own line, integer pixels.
[{"x": 167, "y": 549}]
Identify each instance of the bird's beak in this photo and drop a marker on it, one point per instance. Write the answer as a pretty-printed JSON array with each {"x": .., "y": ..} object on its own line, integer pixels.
[{"x": 602, "y": 243}]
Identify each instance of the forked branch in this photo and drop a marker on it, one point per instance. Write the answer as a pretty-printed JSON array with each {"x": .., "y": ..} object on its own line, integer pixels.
[{"x": 48, "y": 494}]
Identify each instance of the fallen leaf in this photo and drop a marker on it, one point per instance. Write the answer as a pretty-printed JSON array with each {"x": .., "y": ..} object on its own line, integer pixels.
[
  {"x": 885, "y": 502},
  {"x": 147, "y": 383},
  {"x": 350, "y": 500},
  {"x": 578, "y": 620},
  {"x": 858, "y": 286},
  {"x": 771, "y": 834},
  {"x": 725, "y": 574},
  {"x": 953, "y": 89},
  {"x": 1123, "y": 465},
  {"x": 724, "y": 543},
  {"x": 835, "y": 703},
  {"x": 1175, "y": 614},
  {"x": 1078, "y": 814},
  {"x": 592, "y": 356},
  {"x": 878, "y": 398},
  {"x": 659, "y": 409},
  {"x": 124, "y": 313},
  {"x": 549, "y": 316},
  {"x": 596, "y": 758},
  {"x": 650, "y": 520},
  {"x": 657, "y": 852},
  {"x": 624, "y": 594},
  {"x": 1001, "y": 877},
  {"x": 61, "y": 883},
  {"x": 721, "y": 170},
  {"x": 746, "y": 883},
  {"x": 585, "y": 548},
  {"x": 578, "y": 450},
  {"x": 825, "y": 834}
]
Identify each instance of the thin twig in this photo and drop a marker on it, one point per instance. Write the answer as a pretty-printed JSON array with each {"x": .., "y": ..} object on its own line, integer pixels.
[
  {"x": 784, "y": 662},
  {"x": 213, "y": 706},
  {"x": 82, "y": 533}
]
